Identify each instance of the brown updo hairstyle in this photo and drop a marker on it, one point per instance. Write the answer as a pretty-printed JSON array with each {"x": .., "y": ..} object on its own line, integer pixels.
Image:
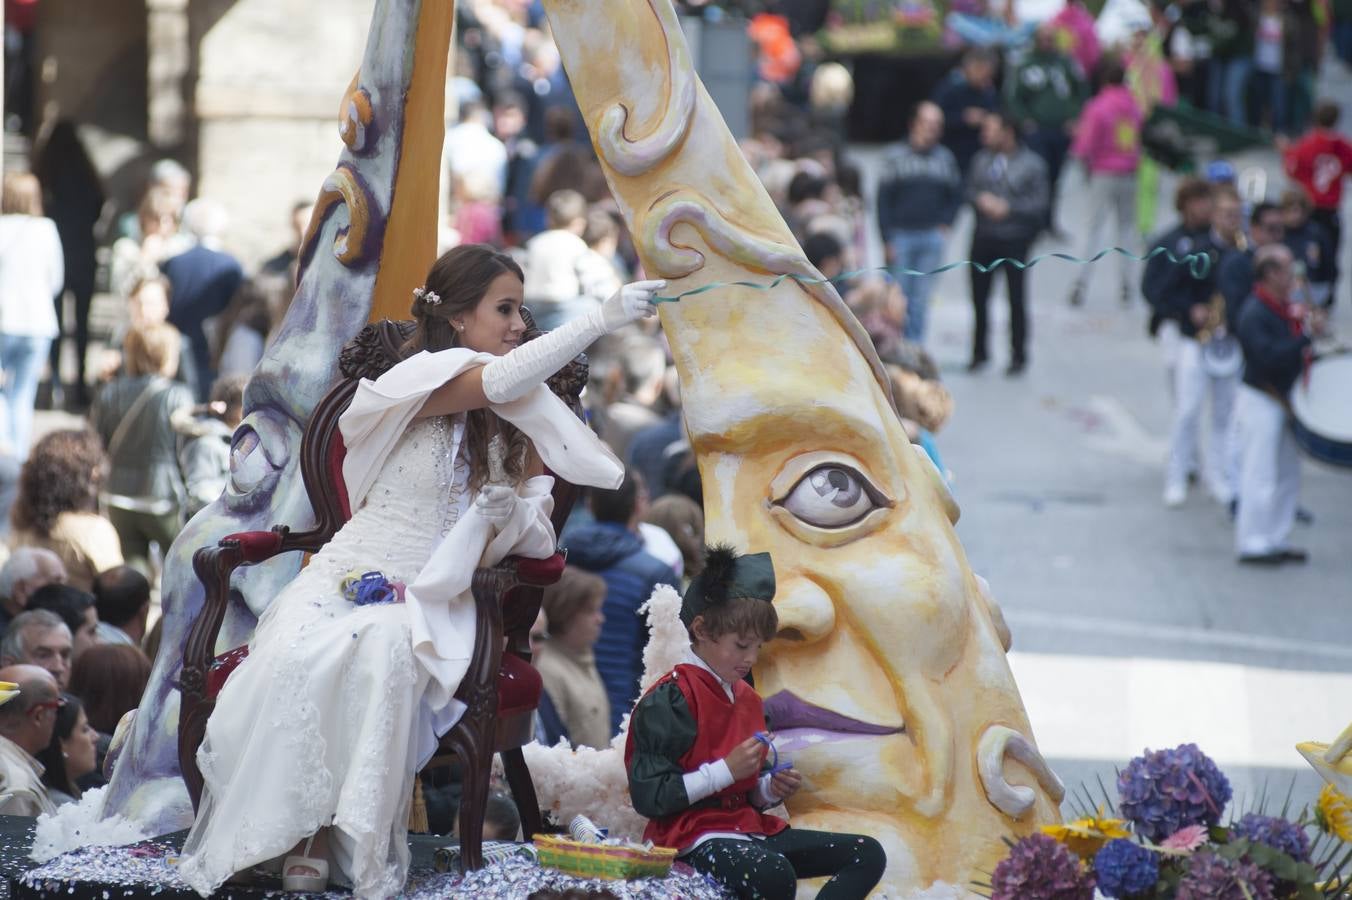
[{"x": 461, "y": 277}]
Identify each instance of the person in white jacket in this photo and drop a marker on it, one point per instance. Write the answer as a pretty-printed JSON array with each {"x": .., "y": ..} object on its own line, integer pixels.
[
  {"x": 32, "y": 274},
  {"x": 317, "y": 737},
  {"x": 565, "y": 277}
]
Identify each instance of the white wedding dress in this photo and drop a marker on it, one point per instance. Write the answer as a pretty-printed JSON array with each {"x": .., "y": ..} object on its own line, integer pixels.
[{"x": 336, "y": 707}]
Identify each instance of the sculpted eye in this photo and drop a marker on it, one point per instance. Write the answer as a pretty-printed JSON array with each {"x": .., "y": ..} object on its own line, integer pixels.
[
  {"x": 832, "y": 496},
  {"x": 248, "y": 464},
  {"x": 258, "y": 454}
]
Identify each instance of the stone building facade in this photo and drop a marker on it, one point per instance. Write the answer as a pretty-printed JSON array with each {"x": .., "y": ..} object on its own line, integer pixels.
[{"x": 244, "y": 93}]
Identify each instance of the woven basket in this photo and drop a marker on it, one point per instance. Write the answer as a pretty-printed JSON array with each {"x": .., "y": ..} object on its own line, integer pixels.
[{"x": 602, "y": 861}]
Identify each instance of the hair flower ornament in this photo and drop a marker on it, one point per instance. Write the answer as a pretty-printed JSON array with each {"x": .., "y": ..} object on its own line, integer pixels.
[
  {"x": 431, "y": 298},
  {"x": 371, "y": 588}
]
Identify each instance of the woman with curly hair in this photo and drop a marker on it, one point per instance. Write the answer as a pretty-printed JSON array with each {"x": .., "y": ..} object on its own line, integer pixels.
[{"x": 58, "y": 505}]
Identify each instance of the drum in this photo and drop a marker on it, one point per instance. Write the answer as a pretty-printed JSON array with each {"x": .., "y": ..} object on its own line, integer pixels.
[{"x": 1322, "y": 410}]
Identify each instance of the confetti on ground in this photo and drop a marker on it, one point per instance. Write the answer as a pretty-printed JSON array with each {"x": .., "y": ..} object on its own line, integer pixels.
[{"x": 147, "y": 870}]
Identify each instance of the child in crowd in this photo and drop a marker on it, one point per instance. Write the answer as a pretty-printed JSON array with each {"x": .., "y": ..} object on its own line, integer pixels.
[
  {"x": 696, "y": 753},
  {"x": 572, "y": 608}
]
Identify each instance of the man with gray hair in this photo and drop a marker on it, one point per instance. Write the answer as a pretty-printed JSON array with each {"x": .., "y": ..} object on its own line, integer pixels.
[
  {"x": 39, "y": 638},
  {"x": 26, "y": 570},
  {"x": 26, "y": 725}
]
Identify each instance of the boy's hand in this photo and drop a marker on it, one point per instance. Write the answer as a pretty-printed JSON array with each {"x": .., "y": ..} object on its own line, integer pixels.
[
  {"x": 784, "y": 785},
  {"x": 745, "y": 759}
]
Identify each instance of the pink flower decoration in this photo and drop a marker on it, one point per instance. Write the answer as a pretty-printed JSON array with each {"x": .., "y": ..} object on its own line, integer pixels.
[{"x": 1186, "y": 839}]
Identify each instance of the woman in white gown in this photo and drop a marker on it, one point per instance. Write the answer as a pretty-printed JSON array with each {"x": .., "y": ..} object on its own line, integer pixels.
[{"x": 316, "y": 738}]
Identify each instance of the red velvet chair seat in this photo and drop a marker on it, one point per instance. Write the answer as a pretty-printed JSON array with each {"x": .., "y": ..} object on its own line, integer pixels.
[
  {"x": 222, "y": 666},
  {"x": 519, "y": 686}
]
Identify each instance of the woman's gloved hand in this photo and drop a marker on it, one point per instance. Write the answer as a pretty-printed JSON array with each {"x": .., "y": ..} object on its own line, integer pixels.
[
  {"x": 631, "y": 303},
  {"x": 510, "y": 377},
  {"x": 496, "y": 502}
]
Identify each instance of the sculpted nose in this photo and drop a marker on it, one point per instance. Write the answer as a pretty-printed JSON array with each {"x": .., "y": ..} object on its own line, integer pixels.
[{"x": 806, "y": 613}]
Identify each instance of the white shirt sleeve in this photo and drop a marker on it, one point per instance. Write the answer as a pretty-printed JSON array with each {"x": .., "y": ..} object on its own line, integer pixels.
[{"x": 707, "y": 780}]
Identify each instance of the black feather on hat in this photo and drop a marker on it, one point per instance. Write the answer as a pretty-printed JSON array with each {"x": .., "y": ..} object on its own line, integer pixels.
[
  {"x": 728, "y": 576},
  {"x": 720, "y": 565}
]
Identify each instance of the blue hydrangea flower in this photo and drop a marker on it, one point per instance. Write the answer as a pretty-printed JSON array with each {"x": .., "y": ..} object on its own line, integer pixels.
[
  {"x": 1279, "y": 834},
  {"x": 1165, "y": 790},
  {"x": 1125, "y": 869}
]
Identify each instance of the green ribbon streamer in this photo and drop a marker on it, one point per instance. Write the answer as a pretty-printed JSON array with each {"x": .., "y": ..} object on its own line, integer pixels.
[{"x": 1199, "y": 265}]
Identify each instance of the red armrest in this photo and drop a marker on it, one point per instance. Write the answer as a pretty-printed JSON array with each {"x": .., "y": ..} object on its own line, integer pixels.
[
  {"x": 540, "y": 572},
  {"x": 256, "y": 546}
]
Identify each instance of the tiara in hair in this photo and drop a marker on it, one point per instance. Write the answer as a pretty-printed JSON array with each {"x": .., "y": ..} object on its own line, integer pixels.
[{"x": 431, "y": 298}]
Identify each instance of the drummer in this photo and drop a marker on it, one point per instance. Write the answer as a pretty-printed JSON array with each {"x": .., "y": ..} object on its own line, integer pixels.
[{"x": 1275, "y": 334}]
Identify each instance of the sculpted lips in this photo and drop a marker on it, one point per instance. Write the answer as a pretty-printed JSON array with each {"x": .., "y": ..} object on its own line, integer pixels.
[{"x": 798, "y": 723}]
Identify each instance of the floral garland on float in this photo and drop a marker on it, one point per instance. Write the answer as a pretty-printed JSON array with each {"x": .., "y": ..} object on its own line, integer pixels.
[{"x": 1164, "y": 840}]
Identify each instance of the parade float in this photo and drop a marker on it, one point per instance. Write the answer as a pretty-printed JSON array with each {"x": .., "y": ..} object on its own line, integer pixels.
[{"x": 888, "y": 687}]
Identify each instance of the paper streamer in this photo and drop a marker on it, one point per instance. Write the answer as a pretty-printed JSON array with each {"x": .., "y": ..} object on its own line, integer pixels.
[{"x": 1199, "y": 265}]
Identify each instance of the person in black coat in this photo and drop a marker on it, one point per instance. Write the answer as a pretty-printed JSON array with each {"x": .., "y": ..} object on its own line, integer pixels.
[
  {"x": 965, "y": 97},
  {"x": 202, "y": 282},
  {"x": 1009, "y": 193},
  {"x": 1234, "y": 273},
  {"x": 1185, "y": 314},
  {"x": 1311, "y": 245},
  {"x": 74, "y": 200},
  {"x": 1275, "y": 334}
]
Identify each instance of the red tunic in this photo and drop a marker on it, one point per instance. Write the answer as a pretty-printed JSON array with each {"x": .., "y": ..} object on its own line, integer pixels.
[
  {"x": 720, "y": 725},
  {"x": 1319, "y": 162}
]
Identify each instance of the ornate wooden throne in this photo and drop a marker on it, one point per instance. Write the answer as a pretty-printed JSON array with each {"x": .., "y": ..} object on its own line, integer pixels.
[{"x": 501, "y": 689}]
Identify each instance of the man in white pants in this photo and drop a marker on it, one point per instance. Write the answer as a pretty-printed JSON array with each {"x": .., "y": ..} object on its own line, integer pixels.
[
  {"x": 1273, "y": 332},
  {"x": 1181, "y": 310}
]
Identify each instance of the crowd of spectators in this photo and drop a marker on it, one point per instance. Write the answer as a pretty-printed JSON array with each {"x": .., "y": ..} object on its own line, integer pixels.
[{"x": 77, "y": 658}]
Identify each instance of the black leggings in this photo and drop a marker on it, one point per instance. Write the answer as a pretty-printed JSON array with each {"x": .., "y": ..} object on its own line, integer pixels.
[
  {"x": 987, "y": 250},
  {"x": 771, "y": 868}
]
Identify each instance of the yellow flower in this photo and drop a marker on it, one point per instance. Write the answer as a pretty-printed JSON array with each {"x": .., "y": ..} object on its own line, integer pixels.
[
  {"x": 1334, "y": 812},
  {"x": 1085, "y": 837}
]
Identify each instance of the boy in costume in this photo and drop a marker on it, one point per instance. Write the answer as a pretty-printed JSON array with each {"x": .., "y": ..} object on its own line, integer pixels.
[{"x": 696, "y": 753}]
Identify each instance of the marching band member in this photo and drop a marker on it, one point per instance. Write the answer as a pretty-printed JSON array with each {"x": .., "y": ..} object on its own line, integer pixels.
[
  {"x": 1182, "y": 307},
  {"x": 1275, "y": 334}
]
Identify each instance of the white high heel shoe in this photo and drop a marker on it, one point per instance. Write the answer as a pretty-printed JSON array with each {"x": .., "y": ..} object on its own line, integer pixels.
[{"x": 303, "y": 880}]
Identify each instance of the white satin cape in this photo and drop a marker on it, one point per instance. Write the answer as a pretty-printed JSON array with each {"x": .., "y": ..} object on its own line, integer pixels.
[{"x": 440, "y": 606}]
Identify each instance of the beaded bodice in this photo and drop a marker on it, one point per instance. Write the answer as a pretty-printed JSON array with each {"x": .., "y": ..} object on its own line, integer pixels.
[{"x": 418, "y": 496}]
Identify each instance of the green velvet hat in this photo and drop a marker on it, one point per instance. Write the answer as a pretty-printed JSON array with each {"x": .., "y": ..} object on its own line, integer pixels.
[{"x": 728, "y": 576}]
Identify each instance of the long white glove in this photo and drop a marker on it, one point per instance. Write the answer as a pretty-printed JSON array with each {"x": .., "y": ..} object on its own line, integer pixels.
[{"x": 511, "y": 376}]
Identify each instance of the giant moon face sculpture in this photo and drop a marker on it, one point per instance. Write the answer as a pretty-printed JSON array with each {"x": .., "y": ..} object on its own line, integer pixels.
[{"x": 887, "y": 684}]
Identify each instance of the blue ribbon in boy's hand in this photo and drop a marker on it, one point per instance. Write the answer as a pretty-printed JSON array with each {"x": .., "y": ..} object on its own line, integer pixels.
[
  {"x": 784, "y": 781},
  {"x": 775, "y": 765}
]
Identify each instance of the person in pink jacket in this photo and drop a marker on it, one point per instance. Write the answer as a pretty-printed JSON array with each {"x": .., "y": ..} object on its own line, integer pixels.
[{"x": 1108, "y": 143}]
